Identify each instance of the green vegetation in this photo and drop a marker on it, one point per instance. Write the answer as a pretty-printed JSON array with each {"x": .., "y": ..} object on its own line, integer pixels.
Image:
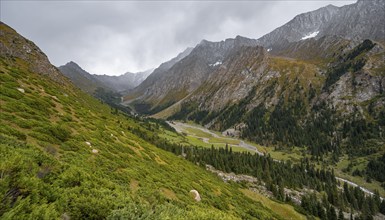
[
  {"x": 280, "y": 175},
  {"x": 281, "y": 208},
  {"x": 376, "y": 169}
]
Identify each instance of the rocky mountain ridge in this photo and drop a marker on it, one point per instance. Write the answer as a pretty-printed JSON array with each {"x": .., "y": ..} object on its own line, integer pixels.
[
  {"x": 329, "y": 23},
  {"x": 165, "y": 87},
  {"x": 361, "y": 20}
]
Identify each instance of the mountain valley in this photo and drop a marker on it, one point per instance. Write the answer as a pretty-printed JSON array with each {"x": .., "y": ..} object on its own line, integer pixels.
[{"x": 287, "y": 126}]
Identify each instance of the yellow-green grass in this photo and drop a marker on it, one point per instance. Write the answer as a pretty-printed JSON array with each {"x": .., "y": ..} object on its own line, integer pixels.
[
  {"x": 196, "y": 136},
  {"x": 197, "y": 132},
  {"x": 224, "y": 140},
  {"x": 172, "y": 137},
  {"x": 284, "y": 210},
  {"x": 168, "y": 111},
  {"x": 293, "y": 154}
]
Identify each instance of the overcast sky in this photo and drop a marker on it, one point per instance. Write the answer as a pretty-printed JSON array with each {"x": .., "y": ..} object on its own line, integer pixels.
[{"x": 119, "y": 36}]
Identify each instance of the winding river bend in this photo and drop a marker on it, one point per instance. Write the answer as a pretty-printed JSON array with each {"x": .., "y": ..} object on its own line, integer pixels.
[{"x": 181, "y": 127}]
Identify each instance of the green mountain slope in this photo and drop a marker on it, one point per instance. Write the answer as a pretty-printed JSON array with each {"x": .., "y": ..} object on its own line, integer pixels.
[{"x": 63, "y": 154}]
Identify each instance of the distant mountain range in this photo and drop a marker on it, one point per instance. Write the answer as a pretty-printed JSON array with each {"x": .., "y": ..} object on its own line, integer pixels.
[
  {"x": 325, "y": 65},
  {"x": 90, "y": 82}
]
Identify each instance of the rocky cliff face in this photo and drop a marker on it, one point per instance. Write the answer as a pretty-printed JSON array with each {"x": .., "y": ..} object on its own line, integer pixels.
[
  {"x": 233, "y": 79},
  {"x": 14, "y": 46},
  {"x": 167, "y": 86}
]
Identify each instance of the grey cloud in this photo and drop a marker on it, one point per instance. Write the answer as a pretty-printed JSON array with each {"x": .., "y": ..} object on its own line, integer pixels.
[{"x": 115, "y": 37}]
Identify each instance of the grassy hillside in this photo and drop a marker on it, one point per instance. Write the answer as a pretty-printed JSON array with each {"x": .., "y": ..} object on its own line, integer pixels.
[{"x": 65, "y": 154}]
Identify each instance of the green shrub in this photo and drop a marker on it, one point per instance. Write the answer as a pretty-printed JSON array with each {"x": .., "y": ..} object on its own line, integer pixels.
[
  {"x": 42, "y": 137},
  {"x": 5, "y": 129},
  {"x": 58, "y": 132},
  {"x": 11, "y": 92},
  {"x": 69, "y": 146}
]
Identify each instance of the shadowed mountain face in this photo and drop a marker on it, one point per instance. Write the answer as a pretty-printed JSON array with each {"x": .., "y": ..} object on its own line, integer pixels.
[{"x": 317, "y": 67}]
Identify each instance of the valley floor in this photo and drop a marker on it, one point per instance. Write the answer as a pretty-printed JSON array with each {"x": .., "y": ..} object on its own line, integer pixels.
[{"x": 201, "y": 136}]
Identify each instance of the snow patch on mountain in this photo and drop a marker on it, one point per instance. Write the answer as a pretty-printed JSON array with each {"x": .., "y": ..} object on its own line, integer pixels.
[
  {"x": 216, "y": 64},
  {"x": 311, "y": 35}
]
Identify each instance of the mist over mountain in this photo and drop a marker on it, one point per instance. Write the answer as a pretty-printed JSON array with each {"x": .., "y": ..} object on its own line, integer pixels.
[{"x": 90, "y": 82}]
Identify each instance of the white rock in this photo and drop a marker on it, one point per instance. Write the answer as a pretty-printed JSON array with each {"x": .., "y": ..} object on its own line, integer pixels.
[
  {"x": 88, "y": 143},
  {"x": 21, "y": 90},
  {"x": 95, "y": 151},
  {"x": 197, "y": 197},
  {"x": 216, "y": 64}
]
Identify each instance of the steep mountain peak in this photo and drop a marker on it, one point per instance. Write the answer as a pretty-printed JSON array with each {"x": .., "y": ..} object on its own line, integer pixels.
[
  {"x": 360, "y": 20},
  {"x": 72, "y": 64},
  {"x": 330, "y": 7},
  {"x": 81, "y": 78}
]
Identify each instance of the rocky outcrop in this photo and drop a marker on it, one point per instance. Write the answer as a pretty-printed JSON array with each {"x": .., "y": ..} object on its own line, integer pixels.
[{"x": 14, "y": 46}]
